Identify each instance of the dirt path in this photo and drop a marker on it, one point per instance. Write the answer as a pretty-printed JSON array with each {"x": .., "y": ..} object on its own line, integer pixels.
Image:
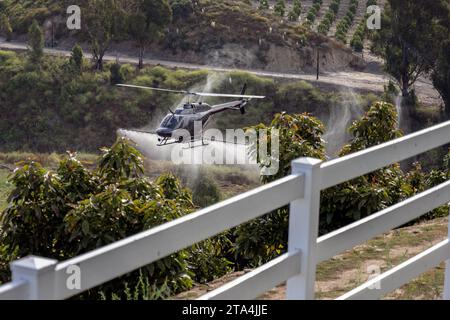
[
  {"x": 353, "y": 267},
  {"x": 372, "y": 80}
]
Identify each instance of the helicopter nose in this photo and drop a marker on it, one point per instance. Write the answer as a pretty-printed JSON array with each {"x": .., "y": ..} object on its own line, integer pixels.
[{"x": 164, "y": 132}]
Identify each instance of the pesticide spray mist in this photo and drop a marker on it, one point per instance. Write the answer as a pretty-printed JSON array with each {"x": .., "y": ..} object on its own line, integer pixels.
[
  {"x": 147, "y": 143},
  {"x": 341, "y": 117}
]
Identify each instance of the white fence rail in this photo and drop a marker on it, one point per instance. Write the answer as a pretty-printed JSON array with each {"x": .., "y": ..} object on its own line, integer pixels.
[{"x": 41, "y": 278}]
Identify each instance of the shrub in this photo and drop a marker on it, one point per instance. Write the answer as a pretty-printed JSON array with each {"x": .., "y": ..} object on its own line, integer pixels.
[
  {"x": 357, "y": 44},
  {"x": 74, "y": 210},
  {"x": 76, "y": 58},
  {"x": 181, "y": 9},
  {"x": 263, "y": 4},
  {"x": 116, "y": 74},
  {"x": 205, "y": 190}
]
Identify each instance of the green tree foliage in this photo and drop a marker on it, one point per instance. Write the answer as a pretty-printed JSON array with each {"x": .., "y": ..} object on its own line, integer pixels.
[
  {"x": 441, "y": 69},
  {"x": 103, "y": 23},
  {"x": 441, "y": 75},
  {"x": 67, "y": 110},
  {"x": 313, "y": 12},
  {"x": 76, "y": 58},
  {"x": 116, "y": 76},
  {"x": 365, "y": 195},
  {"x": 406, "y": 53},
  {"x": 329, "y": 17},
  {"x": 35, "y": 42},
  {"x": 280, "y": 8},
  {"x": 265, "y": 238},
  {"x": 296, "y": 10},
  {"x": 75, "y": 210},
  {"x": 346, "y": 22},
  {"x": 181, "y": 9},
  {"x": 148, "y": 21},
  {"x": 5, "y": 27},
  {"x": 205, "y": 190},
  {"x": 263, "y": 4}
]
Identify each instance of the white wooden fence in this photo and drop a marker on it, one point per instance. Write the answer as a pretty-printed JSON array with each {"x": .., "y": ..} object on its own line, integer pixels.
[{"x": 41, "y": 278}]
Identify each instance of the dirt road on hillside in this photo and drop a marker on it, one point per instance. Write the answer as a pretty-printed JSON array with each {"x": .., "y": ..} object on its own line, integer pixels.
[{"x": 371, "y": 80}]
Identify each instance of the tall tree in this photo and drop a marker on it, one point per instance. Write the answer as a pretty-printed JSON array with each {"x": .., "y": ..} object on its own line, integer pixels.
[
  {"x": 147, "y": 23},
  {"x": 404, "y": 51},
  {"x": 102, "y": 20},
  {"x": 441, "y": 69},
  {"x": 35, "y": 42}
]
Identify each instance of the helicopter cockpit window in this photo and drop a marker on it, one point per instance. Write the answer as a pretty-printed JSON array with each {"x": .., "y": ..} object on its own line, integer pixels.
[{"x": 170, "y": 121}]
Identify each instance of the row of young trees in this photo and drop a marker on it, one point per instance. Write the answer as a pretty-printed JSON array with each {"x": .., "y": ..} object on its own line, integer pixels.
[
  {"x": 346, "y": 22},
  {"x": 357, "y": 41},
  {"x": 280, "y": 8},
  {"x": 329, "y": 18},
  {"x": 415, "y": 40}
]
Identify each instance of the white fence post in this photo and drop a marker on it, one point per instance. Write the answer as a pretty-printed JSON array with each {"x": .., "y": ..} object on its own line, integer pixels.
[
  {"x": 303, "y": 229},
  {"x": 40, "y": 275},
  {"x": 447, "y": 269}
]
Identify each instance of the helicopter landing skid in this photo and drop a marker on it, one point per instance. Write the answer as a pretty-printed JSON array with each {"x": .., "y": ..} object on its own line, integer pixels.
[
  {"x": 165, "y": 142},
  {"x": 191, "y": 145}
]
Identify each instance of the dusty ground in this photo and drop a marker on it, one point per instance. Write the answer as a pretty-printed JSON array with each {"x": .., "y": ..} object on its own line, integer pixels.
[{"x": 352, "y": 268}]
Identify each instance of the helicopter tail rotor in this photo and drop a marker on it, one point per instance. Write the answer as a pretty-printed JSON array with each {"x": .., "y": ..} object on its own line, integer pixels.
[
  {"x": 244, "y": 89},
  {"x": 242, "y": 109}
]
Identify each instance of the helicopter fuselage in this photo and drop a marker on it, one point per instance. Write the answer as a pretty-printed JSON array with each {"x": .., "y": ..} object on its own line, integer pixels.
[{"x": 181, "y": 124}]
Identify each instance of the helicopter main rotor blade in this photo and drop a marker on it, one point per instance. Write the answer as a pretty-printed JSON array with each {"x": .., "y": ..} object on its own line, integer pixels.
[
  {"x": 200, "y": 94},
  {"x": 154, "y": 89},
  {"x": 204, "y": 94}
]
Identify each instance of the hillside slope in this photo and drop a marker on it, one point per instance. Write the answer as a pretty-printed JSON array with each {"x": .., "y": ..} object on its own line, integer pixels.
[{"x": 229, "y": 33}]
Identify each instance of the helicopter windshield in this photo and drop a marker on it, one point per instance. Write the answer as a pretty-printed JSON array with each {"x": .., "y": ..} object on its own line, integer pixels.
[{"x": 170, "y": 121}]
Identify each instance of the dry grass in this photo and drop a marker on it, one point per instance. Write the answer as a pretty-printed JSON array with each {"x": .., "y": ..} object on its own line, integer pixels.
[{"x": 350, "y": 269}]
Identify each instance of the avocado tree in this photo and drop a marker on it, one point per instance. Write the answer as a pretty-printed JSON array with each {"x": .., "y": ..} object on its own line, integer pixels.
[
  {"x": 300, "y": 135},
  {"x": 74, "y": 210}
]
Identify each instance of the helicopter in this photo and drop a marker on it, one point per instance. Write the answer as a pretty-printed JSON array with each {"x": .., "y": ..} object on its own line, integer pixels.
[{"x": 179, "y": 126}]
